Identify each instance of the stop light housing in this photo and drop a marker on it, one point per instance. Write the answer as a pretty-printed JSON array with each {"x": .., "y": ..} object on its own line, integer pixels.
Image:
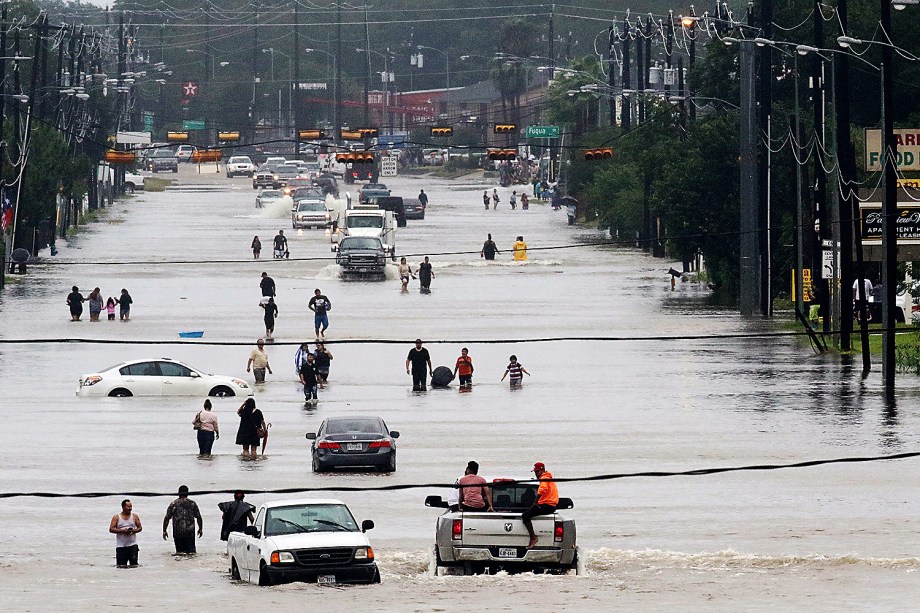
[
  {"x": 368, "y": 132},
  {"x": 355, "y": 157},
  {"x": 228, "y": 136},
  {"x": 604, "y": 153},
  {"x": 505, "y": 128},
  {"x": 177, "y": 136},
  {"x": 119, "y": 157},
  {"x": 442, "y": 132},
  {"x": 501, "y": 155},
  {"x": 311, "y": 134}
]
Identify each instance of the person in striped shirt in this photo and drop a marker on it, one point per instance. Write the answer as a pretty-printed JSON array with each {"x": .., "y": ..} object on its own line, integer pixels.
[{"x": 516, "y": 371}]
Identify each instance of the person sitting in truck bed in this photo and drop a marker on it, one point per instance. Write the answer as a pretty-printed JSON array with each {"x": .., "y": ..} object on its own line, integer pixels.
[
  {"x": 475, "y": 495},
  {"x": 547, "y": 499}
]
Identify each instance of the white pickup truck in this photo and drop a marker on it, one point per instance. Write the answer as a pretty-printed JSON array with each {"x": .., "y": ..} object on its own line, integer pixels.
[
  {"x": 303, "y": 540},
  {"x": 475, "y": 542}
]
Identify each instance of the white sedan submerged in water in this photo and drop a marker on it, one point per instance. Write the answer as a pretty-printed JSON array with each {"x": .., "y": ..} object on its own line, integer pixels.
[{"x": 158, "y": 377}]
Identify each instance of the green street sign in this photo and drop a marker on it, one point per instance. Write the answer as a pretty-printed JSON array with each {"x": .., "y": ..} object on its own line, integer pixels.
[
  {"x": 542, "y": 132},
  {"x": 148, "y": 121},
  {"x": 193, "y": 124}
]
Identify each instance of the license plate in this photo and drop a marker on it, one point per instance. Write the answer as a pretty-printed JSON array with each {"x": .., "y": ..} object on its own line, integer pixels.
[
  {"x": 362, "y": 269},
  {"x": 353, "y": 447},
  {"x": 325, "y": 579},
  {"x": 507, "y": 552}
]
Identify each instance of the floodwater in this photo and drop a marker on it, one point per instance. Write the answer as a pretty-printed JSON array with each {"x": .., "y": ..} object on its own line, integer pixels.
[{"x": 826, "y": 538}]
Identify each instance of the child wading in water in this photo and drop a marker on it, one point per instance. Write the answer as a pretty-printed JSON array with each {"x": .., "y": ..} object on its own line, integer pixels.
[
  {"x": 110, "y": 308},
  {"x": 517, "y": 372}
]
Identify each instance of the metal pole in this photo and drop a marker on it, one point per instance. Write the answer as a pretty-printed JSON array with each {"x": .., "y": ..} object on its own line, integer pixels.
[
  {"x": 338, "y": 70},
  {"x": 625, "y": 106},
  {"x": 799, "y": 207},
  {"x": 889, "y": 210},
  {"x": 749, "y": 282},
  {"x": 611, "y": 77}
]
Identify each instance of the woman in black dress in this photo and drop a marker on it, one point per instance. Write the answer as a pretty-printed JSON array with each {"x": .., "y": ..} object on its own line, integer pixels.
[
  {"x": 247, "y": 434},
  {"x": 75, "y": 301}
]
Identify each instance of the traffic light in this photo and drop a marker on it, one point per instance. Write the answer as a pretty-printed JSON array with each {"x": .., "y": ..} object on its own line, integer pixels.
[
  {"x": 355, "y": 157},
  {"x": 311, "y": 134},
  {"x": 368, "y": 132},
  {"x": 502, "y": 155},
  {"x": 177, "y": 136},
  {"x": 442, "y": 132},
  {"x": 228, "y": 136},
  {"x": 598, "y": 154},
  {"x": 505, "y": 128},
  {"x": 119, "y": 157}
]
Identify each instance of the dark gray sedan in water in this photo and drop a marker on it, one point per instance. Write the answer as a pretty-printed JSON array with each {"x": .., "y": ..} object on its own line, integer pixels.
[{"x": 352, "y": 442}]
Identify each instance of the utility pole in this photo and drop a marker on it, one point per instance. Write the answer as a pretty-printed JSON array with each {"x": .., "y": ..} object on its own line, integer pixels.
[
  {"x": 847, "y": 165},
  {"x": 294, "y": 87},
  {"x": 367, "y": 72},
  {"x": 640, "y": 74},
  {"x": 668, "y": 55},
  {"x": 338, "y": 70},
  {"x": 765, "y": 101},
  {"x": 254, "y": 105},
  {"x": 611, "y": 77},
  {"x": 819, "y": 184},
  {"x": 552, "y": 43},
  {"x": 626, "y": 106},
  {"x": 889, "y": 210},
  {"x": 749, "y": 281}
]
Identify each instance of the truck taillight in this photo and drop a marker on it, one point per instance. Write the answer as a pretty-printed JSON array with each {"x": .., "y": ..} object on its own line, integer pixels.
[
  {"x": 328, "y": 445},
  {"x": 379, "y": 444},
  {"x": 456, "y": 530},
  {"x": 558, "y": 532}
]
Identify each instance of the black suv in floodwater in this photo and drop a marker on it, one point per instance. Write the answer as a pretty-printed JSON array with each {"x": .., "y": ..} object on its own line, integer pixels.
[
  {"x": 162, "y": 160},
  {"x": 361, "y": 256}
]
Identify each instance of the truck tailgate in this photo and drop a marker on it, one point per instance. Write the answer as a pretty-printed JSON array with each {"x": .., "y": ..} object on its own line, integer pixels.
[{"x": 504, "y": 529}]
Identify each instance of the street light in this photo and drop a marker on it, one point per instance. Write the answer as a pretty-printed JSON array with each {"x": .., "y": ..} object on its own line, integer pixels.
[
  {"x": 446, "y": 55},
  {"x": 334, "y": 59}
]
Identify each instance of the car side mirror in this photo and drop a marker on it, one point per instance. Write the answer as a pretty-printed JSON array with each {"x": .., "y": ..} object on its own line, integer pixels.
[
  {"x": 436, "y": 502},
  {"x": 194, "y": 374},
  {"x": 394, "y": 433},
  {"x": 311, "y": 436},
  {"x": 367, "y": 524},
  {"x": 565, "y": 503},
  {"x": 251, "y": 531}
]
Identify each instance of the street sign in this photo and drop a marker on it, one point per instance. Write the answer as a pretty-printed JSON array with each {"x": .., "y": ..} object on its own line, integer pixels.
[
  {"x": 148, "y": 121},
  {"x": 388, "y": 166},
  {"x": 193, "y": 124},
  {"x": 542, "y": 132}
]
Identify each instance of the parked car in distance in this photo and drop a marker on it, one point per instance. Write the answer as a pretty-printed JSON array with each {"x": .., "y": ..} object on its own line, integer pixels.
[
  {"x": 474, "y": 542},
  {"x": 295, "y": 184},
  {"x": 372, "y": 190},
  {"x": 414, "y": 209},
  {"x": 133, "y": 182},
  {"x": 162, "y": 160},
  {"x": 284, "y": 173},
  {"x": 264, "y": 176},
  {"x": 266, "y": 197},
  {"x": 158, "y": 377},
  {"x": 184, "y": 152},
  {"x": 239, "y": 165},
  {"x": 433, "y": 157},
  {"x": 303, "y": 540},
  {"x": 353, "y": 441},
  {"x": 392, "y": 203}
]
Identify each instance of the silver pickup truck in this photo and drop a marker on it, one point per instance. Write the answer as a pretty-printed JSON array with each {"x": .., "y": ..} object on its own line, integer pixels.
[{"x": 487, "y": 542}]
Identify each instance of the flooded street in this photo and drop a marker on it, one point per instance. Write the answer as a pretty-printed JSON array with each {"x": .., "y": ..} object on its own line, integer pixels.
[{"x": 823, "y": 538}]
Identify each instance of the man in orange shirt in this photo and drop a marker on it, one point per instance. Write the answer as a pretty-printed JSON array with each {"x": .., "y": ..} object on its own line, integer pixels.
[
  {"x": 547, "y": 499},
  {"x": 465, "y": 367}
]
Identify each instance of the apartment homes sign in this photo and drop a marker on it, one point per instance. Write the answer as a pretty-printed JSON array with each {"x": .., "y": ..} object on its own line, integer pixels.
[{"x": 908, "y": 149}]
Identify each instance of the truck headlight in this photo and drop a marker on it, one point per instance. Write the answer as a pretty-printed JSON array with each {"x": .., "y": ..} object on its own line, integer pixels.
[
  {"x": 364, "y": 553},
  {"x": 282, "y": 557}
]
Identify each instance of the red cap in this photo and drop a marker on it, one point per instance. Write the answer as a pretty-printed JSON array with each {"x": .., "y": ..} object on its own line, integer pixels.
[{"x": 539, "y": 466}]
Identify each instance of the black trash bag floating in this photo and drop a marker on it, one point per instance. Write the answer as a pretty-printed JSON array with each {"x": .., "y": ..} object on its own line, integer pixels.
[{"x": 441, "y": 377}]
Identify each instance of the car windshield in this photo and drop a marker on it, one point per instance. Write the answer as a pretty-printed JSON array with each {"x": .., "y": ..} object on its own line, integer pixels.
[
  {"x": 314, "y": 193},
  {"x": 297, "y": 519},
  {"x": 163, "y": 153},
  {"x": 348, "y": 426},
  {"x": 269, "y": 194},
  {"x": 372, "y": 186},
  {"x": 311, "y": 206},
  {"x": 312, "y": 166},
  {"x": 360, "y": 242},
  {"x": 365, "y": 221},
  {"x": 287, "y": 171},
  {"x": 300, "y": 183},
  {"x": 240, "y": 160}
]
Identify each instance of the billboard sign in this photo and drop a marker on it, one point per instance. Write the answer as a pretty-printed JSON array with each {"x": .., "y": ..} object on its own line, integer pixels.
[{"x": 908, "y": 149}]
